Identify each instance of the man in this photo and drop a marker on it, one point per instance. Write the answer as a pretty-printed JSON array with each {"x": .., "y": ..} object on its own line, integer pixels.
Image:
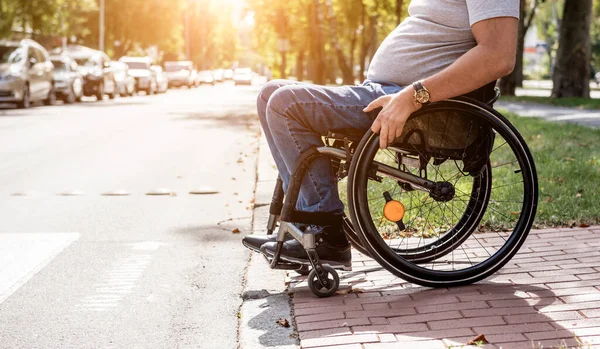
[{"x": 445, "y": 48}]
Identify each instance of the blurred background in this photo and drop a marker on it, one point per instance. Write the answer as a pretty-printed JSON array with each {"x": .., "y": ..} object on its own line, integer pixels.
[{"x": 323, "y": 41}]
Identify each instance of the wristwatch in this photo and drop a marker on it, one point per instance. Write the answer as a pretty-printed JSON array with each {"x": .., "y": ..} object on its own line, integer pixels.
[{"x": 422, "y": 95}]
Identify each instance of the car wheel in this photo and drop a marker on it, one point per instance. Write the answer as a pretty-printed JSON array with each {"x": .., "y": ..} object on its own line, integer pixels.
[
  {"x": 70, "y": 98},
  {"x": 100, "y": 92},
  {"x": 51, "y": 99},
  {"x": 115, "y": 91},
  {"x": 26, "y": 102}
]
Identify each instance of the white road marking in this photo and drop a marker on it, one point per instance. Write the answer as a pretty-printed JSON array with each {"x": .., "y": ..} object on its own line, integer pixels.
[
  {"x": 22, "y": 255},
  {"x": 121, "y": 279}
]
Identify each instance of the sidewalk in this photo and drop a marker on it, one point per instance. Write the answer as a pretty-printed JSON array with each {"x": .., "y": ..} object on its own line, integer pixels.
[
  {"x": 548, "y": 295},
  {"x": 590, "y": 118}
]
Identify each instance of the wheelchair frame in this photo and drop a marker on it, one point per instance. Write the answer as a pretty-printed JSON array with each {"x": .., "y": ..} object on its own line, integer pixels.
[{"x": 283, "y": 211}]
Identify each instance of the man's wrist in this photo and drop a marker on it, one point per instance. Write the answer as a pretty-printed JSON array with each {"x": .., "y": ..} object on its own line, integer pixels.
[{"x": 409, "y": 94}]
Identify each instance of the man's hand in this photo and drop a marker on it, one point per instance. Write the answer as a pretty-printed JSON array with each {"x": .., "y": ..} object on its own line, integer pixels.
[{"x": 391, "y": 119}]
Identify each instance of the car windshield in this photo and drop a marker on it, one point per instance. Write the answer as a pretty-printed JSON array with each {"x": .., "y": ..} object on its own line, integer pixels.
[
  {"x": 59, "y": 65},
  {"x": 86, "y": 62},
  {"x": 175, "y": 67},
  {"x": 137, "y": 65},
  {"x": 11, "y": 54}
]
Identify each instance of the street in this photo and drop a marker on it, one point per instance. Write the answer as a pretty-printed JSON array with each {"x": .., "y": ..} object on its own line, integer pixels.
[{"x": 88, "y": 259}]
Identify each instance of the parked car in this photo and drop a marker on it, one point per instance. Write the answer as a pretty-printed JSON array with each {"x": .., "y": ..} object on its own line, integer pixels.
[
  {"x": 139, "y": 67},
  {"x": 180, "y": 73},
  {"x": 227, "y": 74},
  {"x": 98, "y": 76},
  {"x": 26, "y": 73},
  {"x": 162, "y": 83},
  {"x": 124, "y": 80},
  {"x": 68, "y": 82},
  {"x": 218, "y": 75},
  {"x": 243, "y": 76},
  {"x": 206, "y": 77}
]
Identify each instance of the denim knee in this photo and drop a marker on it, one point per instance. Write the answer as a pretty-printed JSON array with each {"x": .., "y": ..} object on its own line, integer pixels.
[
  {"x": 282, "y": 99},
  {"x": 265, "y": 94}
]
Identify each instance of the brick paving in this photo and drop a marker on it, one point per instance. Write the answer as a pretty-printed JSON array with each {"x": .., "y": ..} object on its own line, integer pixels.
[{"x": 548, "y": 296}]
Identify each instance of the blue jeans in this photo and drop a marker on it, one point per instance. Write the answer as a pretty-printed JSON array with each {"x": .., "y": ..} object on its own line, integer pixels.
[{"x": 294, "y": 116}]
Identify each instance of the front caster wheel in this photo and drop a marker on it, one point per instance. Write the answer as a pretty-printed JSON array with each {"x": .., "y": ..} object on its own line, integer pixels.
[
  {"x": 303, "y": 270},
  {"x": 331, "y": 282}
]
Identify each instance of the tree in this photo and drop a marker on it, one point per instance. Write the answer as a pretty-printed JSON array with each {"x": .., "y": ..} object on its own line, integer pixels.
[
  {"x": 572, "y": 73},
  {"x": 509, "y": 84},
  {"x": 548, "y": 25}
]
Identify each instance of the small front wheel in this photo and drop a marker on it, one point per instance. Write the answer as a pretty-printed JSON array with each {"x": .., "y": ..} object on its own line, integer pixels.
[{"x": 330, "y": 278}]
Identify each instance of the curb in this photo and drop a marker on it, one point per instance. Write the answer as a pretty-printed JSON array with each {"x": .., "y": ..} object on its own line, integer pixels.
[{"x": 265, "y": 297}]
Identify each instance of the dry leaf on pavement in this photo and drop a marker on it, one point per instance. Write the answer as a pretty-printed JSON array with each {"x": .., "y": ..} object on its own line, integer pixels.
[
  {"x": 236, "y": 231},
  {"x": 478, "y": 340},
  {"x": 283, "y": 323}
]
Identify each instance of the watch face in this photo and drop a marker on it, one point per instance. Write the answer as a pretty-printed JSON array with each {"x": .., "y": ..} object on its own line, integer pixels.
[{"x": 422, "y": 96}]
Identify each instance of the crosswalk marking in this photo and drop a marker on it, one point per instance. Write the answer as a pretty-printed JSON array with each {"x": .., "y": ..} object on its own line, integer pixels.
[
  {"x": 22, "y": 255},
  {"x": 121, "y": 279}
]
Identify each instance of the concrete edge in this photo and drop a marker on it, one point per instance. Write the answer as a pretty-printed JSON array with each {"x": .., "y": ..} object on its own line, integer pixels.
[{"x": 265, "y": 297}]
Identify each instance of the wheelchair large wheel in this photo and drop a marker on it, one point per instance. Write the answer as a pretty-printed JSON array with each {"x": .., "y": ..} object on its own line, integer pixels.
[{"x": 440, "y": 217}]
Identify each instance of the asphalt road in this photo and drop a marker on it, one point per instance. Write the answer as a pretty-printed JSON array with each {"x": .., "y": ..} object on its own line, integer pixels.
[{"x": 79, "y": 269}]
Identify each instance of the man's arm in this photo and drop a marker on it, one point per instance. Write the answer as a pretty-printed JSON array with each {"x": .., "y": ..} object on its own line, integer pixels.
[{"x": 492, "y": 58}]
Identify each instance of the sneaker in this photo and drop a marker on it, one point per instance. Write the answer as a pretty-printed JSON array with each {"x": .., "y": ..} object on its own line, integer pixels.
[
  {"x": 254, "y": 241},
  {"x": 294, "y": 252}
]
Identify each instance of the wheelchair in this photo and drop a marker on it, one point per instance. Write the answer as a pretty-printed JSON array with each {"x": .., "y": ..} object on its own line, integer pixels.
[{"x": 448, "y": 203}]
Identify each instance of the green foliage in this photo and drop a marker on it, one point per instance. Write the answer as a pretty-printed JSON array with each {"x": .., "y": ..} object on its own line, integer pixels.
[{"x": 567, "y": 158}]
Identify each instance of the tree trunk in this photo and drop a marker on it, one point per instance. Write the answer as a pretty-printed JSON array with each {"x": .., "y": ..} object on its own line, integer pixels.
[
  {"x": 362, "y": 55},
  {"x": 300, "y": 66},
  {"x": 318, "y": 64},
  {"x": 509, "y": 83},
  {"x": 283, "y": 64},
  {"x": 572, "y": 73},
  {"x": 399, "y": 4},
  {"x": 352, "y": 53},
  {"x": 346, "y": 70}
]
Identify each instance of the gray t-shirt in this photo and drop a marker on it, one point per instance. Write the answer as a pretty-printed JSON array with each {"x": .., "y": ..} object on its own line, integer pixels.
[{"x": 436, "y": 33}]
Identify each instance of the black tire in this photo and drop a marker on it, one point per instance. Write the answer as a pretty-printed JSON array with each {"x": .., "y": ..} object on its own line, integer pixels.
[
  {"x": 115, "y": 91},
  {"x": 70, "y": 97},
  {"x": 51, "y": 98},
  {"x": 353, "y": 237},
  {"x": 332, "y": 278},
  {"x": 25, "y": 103},
  {"x": 100, "y": 92},
  {"x": 458, "y": 251}
]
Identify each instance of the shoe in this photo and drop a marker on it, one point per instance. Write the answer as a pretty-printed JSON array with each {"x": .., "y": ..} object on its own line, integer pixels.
[
  {"x": 338, "y": 257},
  {"x": 255, "y": 241}
]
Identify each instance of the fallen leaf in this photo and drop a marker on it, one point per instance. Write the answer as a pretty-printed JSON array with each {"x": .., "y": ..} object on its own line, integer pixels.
[
  {"x": 480, "y": 339},
  {"x": 584, "y": 225},
  {"x": 578, "y": 195},
  {"x": 357, "y": 290},
  {"x": 236, "y": 231},
  {"x": 283, "y": 323},
  {"x": 549, "y": 199}
]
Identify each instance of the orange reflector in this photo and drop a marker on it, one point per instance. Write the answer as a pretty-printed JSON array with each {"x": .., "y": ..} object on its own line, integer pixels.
[{"x": 393, "y": 211}]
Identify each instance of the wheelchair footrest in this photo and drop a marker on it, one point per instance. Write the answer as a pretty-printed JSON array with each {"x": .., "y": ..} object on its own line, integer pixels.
[
  {"x": 283, "y": 265},
  {"x": 289, "y": 265}
]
